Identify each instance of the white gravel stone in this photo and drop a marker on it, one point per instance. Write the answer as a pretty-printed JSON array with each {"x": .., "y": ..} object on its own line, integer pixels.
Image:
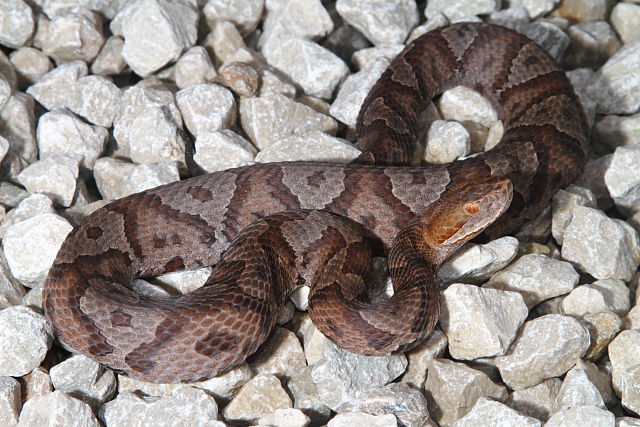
[
  {"x": 224, "y": 42},
  {"x": 618, "y": 131},
  {"x": 593, "y": 178},
  {"x": 354, "y": 90},
  {"x": 222, "y": 387},
  {"x": 60, "y": 133},
  {"x": 306, "y": 19},
  {"x": 603, "y": 247},
  {"x": 271, "y": 118},
  {"x": 31, "y": 246},
  {"x": 147, "y": 126},
  {"x": 53, "y": 89},
  {"x": 16, "y": 23},
  {"x": 625, "y": 18},
  {"x": 10, "y": 403},
  {"x": 431, "y": 348},
  {"x": 305, "y": 396},
  {"x": 224, "y": 149},
  {"x": 407, "y": 404},
  {"x": 84, "y": 379},
  {"x": 259, "y": 397},
  {"x": 480, "y": 322},
  {"x": 314, "y": 68},
  {"x": 76, "y": 35},
  {"x": 536, "y": 401},
  {"x": 11, "y": 291},
  {"x": 582, "y": 416},
  {"x": 31, "y": 205},
  {"x": 463, "y": 104},
  {"x": 187, "y": 406},
  {"x": 582, "y": 10},
  {"x": 384, "y": 53},
  {"x": 452, "y": 388},
  {"x": 56, "y": 409},
  {"x": 627, "y": 422},
  {"x": 549, "y": 36},
  {"x": 194, "y": 67},
  {"x": 622, "y": 179},
  {"x": 155, "y": 32},
  {"x": 110, "y": 61},
  {"x": 446, "y": 142},
  {"x": 25, "y": 338},
  {"x": 5, "y": 91},
  {"x": 30, "y": 64},
  {"x": 117, "y": 179},
  {"x": 535, "y": 8},
  {"x": 343, "y": 377},
  {"x": 289, "y": 417},
  {"x": 606, "y": 294},
  {"x": 96, "y": 99},
  {"x": 629, "y": 389},
  {"x": 487, "y": 412},
  {"x": 581, "y": 79},
  {"x": 207, "y": 108},
  {"x": 54, "y": 176},
  {"x": 349, "y": 419},
  {"x": 592, "y": 43},
  {"x": 536, "y": 277},
  {"x": 562, "y": 206},
  {"x": 380, "y": 21},
  {"x": 546, "y": 347},
  {"x": 312, "y": 146},
  {"x": 245, "y": 14},
  {"x": 624, "y": 354},
  {"x": 17, "y": 125},
  {"x": 577, "y": 390},
  {"x": 11, "y": 195},
  {"x": 455, "y": 10},
  {"x": 617, "y": 84},
  {"x": 281, "y": 355},
  {"x": 475, "y": 263}
]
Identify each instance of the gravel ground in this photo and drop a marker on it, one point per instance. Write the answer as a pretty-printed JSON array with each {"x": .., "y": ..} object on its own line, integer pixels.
[{"x": 100, "y": 99}]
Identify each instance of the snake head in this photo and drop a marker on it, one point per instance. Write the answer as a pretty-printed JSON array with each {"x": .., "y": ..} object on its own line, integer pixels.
[{"x": 463, "y": 212}]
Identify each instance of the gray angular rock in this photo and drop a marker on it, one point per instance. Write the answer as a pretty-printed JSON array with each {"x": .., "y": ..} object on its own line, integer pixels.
[
  {"x": 207, "y": 107},
  {"x": 116, "y": 179},
  {"x": 194, "y": 67},
  {"x": 480, "y": 322},
  {"x": 452, "y": 389},
  {"x": 60, "y": 133},
  {"x": 25, "y": 338},
  {"x": 343, "y": 377},
  {"x": 625, "y": 18},
  {"x": 616, "y": 88},
  {"x": 577, "y": 390},
  {"x": 562, "y": 206},
  {"x": 475, "y": 263},
  {"x": 348, "y": 419},
  {"x": 53, "y": 410},
  {"x": 84, "y": 379},
  {"x": 223, "y": 149},
  {"x": 16, "y": 23},
  {"x": 380, "y": 22},
  {"x": 75, "y": 35},
  {"x": 582, "y": 416},
  {"x": 110, "y": 61},
  {"x": 546, "y": 347},
  {"x": 30, "y": 64},
  {"x": 606, "y": 294},
  {"x": 259, "y": 397},
  {"x": 621, "y": 178},
  {"x": 536, "y": 401},
  {"x": 455, "y": 10},
  {"x": 155, "y": 32},
  {"x": 187, "y": 406},
  {"x": 96, "y": 99},
  {"x": 618, "y": 131},
  {"x": 489, "y": 412},
  {"x": 52, "y": 90},
  {"x": 245, "y": 14},
  {"x": 446, "y": 142},
  {"x": 536, "y": 277},
  {"x": 55, "y": 176},
  {"x": 10, "y": 403},
  {"x": 267, "y": 119},
  {"x": 309, "y": 146},
  {"x": 31, "y": 246}
]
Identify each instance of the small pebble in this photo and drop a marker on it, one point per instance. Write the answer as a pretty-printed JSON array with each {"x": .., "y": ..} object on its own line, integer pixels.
[
  {"x": 54, "y": 409},
  {"x": 25, "y": 338}
]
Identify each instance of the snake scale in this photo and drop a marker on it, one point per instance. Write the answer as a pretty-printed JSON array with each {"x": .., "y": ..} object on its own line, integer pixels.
[{"x": 271, "y": 228}]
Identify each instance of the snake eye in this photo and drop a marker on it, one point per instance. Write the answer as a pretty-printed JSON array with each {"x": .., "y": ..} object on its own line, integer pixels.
[{"x": 471, "y": 208}]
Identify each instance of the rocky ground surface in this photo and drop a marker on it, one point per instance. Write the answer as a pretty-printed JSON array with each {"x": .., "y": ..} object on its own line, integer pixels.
[{"x": 100, "y": 99}]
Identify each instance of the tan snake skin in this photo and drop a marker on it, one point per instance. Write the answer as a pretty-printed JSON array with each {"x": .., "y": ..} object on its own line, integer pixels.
[{"x": 270, "y": 228}]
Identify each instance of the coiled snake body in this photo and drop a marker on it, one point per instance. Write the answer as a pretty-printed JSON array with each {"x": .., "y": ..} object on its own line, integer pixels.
[{"x": 270, "y": 228}]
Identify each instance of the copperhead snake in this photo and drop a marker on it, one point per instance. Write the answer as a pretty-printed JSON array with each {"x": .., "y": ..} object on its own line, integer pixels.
[{"x": 271, "y": 228}]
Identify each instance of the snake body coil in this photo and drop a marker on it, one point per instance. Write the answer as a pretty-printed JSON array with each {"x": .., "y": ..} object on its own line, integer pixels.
[{"x": 270, "y": 228}]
